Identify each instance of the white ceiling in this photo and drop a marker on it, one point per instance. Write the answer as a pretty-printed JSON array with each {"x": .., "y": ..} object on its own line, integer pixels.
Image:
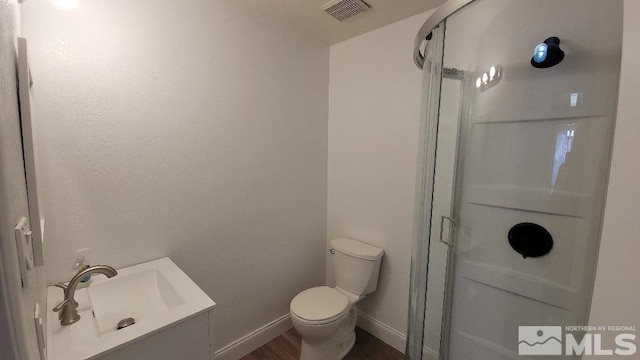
[{"x": 307, "y": 16}]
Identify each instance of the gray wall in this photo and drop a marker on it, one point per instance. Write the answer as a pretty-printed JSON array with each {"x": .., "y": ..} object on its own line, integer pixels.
[
  {"x": 195, "y": 130},
  {"x": 616, "y": 293},
  {"x": 374, "y": 113}
]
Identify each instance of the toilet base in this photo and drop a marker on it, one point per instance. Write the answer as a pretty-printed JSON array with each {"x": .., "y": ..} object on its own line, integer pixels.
[
  {"x": 347, "y": 346},
  {"x": 328, "y": 350},
  {"x": 336, "y": 348}
]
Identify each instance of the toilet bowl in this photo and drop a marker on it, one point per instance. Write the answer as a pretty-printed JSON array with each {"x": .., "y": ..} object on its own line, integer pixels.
[{"x": 326, "y": 317}]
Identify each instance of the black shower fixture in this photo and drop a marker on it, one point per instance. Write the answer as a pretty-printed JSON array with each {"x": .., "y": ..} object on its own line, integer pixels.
[
  {"x": 547, "y": 54},
  {"x": 530, "y": 240}
]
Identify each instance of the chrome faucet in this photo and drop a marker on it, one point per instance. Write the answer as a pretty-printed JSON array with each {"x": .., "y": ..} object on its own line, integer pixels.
[{"x": 68, "y": 307}]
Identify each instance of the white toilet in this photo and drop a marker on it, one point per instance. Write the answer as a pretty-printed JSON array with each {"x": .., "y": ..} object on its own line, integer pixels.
[{"x": 326, "y": 317}]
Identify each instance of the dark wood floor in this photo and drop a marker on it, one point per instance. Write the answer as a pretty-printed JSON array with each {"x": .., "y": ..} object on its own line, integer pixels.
[{"x": 287, "y": 347}]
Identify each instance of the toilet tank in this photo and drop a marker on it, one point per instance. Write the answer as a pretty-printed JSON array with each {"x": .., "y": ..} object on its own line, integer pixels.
[{"x": 356, "y": 265}]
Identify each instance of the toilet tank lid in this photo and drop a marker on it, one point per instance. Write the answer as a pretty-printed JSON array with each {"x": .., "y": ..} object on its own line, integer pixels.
[{"x": 357, "y": 249}]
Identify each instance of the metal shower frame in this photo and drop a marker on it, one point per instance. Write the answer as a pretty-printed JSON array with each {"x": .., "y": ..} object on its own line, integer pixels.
[{"x": 447, "y": 9}]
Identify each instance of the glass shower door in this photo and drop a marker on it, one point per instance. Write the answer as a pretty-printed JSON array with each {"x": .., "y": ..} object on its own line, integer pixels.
[
  {"x": 432, "y": 77},
  {"x": 517, "y": 169}
]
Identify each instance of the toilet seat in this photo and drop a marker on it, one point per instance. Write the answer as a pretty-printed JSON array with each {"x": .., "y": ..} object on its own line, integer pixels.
[{"x": 319, "y": 305}]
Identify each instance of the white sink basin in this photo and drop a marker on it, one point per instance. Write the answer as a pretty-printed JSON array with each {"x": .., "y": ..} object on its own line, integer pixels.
[
  {"x": 156, "y": 295},
  {"x": 142, "y": 295}
]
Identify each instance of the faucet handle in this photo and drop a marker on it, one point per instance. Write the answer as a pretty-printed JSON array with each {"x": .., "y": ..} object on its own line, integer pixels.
[
  {"x": 64, "y": 307},
  {"x": 62, "y": 304},
  {"x": 62, "y": 286}
]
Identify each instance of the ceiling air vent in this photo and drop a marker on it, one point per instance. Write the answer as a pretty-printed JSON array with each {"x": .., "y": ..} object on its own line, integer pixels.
[{"x": 345, "y": 9}]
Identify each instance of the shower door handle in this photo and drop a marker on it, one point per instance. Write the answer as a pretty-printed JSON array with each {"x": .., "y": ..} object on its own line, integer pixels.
[{"x": 449, "y": 238}]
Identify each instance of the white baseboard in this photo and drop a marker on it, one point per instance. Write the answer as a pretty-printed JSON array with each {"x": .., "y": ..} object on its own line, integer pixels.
[
  {"x": 390, "y": 336},
  {"x": 270, "y": 331},
  {"x": 382, "y": 331},
  {"x": 254, "y": 340}
]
